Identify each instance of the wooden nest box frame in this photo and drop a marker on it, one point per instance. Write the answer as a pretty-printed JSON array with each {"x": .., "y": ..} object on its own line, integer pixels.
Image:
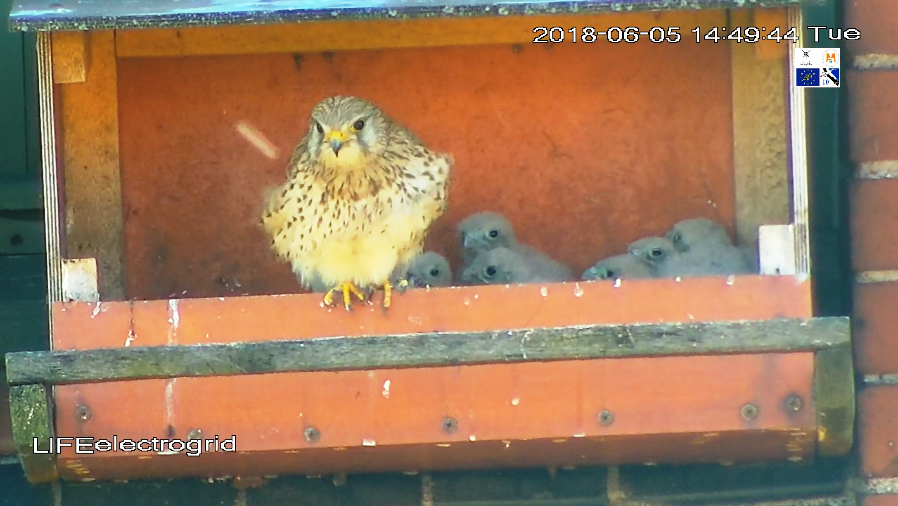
[{"x": 162, "y": 125}]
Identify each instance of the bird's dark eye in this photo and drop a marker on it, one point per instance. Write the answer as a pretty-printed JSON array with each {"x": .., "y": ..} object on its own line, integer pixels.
[
  {"x": 434, "y": 272},
  {"x": 494, "y": 234},
  {"x": 609, "y": 274},
  {"x": 358, "y": 125},
  {"x": 657, "y": 252},
  {"x": 490, "y": 271},
  {"x": 319, "y": 128}
]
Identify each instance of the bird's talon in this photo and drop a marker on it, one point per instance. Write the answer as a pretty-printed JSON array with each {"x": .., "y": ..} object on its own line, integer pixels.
[{"x": 347, "y": 290}]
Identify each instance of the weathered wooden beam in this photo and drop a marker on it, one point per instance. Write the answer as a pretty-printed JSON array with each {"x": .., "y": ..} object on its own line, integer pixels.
[
  {"x": 29, "y": 409},
  {"x": 834, "y": 394},
  {"x": 424, "y": 350},
  {"x": 760, "y": 146}
]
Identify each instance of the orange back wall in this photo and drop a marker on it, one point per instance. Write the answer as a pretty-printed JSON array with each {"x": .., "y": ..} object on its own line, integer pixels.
[{"x": 585, "y": 147}]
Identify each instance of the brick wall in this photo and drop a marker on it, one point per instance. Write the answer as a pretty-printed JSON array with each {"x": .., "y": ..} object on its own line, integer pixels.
[{"x": 872, "y": 90}]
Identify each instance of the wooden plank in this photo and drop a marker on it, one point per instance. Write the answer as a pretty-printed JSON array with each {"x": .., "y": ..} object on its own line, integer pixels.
[
  {"x": 12, "y": 103},
  {"x": 423, "y": 350},
  {"x": 759, "y": 138},
  {"x": 29, "y": 407},
  {"x": 771, "y": 19},
  {"x": 21, "y": 236},
  {"x": 741, "y": 447},
  {"x": 93, "y": 200},
  {"x": 835, "y": 395},
  {"x": 20, "y": 194},
  {"x": 382, "y": 34},
  {"x": 691, "y": 404},
  {"x": 71, "y": 56},
  {"x": 23, "y": 326}
]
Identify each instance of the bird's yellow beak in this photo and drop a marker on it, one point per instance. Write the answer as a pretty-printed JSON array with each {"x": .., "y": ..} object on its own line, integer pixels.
[{"x": 336, "y": 138}]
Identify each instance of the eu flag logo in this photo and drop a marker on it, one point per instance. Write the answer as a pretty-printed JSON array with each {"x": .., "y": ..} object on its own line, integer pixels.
[{"x": 807, "y": 77}]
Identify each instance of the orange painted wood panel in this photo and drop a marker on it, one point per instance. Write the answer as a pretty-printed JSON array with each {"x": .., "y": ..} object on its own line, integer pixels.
[
  {"x": 724, "y": 447},
  {"x": 392, "y": 33},
  {"x": 261, "y": 318},
  {"x": 585, "y": 147},
  {"x": 692, "y": 401}
]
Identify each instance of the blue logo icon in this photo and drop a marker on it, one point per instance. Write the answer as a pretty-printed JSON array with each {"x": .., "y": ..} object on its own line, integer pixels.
[{"x": 807, "y": 77}]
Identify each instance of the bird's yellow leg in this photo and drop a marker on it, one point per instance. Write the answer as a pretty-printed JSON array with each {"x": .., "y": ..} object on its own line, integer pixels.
[
  {"x": 348, "y": 290},
  {"x": 400, "y": 286}
]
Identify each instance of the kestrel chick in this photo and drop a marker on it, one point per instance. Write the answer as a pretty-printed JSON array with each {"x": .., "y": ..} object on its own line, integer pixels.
[
  {"x": 361, "y": 194},
  {"x": 626, "y": 266},
  {"x": 653, "y": 251},
  {"x": 698, "y": 232},
  {"x": 429, "y": 269},
  {"x": 502, "y": 266},
  {"x": 488, "y": 230}
]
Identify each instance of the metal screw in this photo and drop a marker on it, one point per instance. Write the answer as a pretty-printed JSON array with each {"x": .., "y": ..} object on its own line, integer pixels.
[
  {"x": 311, "y": 434},
  {"x": 606, "y": 418},
  {"x": 449, "y": 425},
  {"x": 83, "y": 412},
  {"x": 793, "y": 403},
  {"x": 749, "y": 411},
  {"x": 194, "y": 434}
]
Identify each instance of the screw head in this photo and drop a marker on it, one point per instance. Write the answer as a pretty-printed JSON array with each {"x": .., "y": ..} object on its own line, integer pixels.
[
  {"x": 194, "y": 434},
  {"x": 749, "y": 411},
  {"x": 450, "y": 425},
  {"x": 606, "y": 418},
  {"x": 311, "y": 434},
  {"x": 83, "y": 412},
  {"x": 793, "y": 403}
]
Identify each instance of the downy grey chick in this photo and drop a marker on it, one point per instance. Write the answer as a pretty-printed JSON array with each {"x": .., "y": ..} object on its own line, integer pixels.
[
  {"x": 625, "y": 266},
  {"x": 429, "y": 269},
  {"x": 489, "y": 230},
  {"x": 706, "y": 249},
  {"x": 503, "y": 266},
  {"x": 653, "y": 252}
]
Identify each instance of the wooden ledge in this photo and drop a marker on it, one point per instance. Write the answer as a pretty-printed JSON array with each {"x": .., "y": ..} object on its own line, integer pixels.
[
  {"x": 697, "y": 370},
  {"x": 424, "y": 350}
]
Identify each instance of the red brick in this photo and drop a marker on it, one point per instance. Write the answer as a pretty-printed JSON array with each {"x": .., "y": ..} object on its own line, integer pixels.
[
  {"x": 876, "y": 19},
  {"x": 880, "y": 500},
  {"x": 874, "y": 224},
  {"x": 878, "y": 427},
  {"x": 874, "y": 322},
  {"x": 872, "y": 109}
]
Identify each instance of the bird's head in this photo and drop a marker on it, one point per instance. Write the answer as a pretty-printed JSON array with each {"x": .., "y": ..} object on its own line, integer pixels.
[
  {"x": 697, "y": 231},
  {"x": 497, "y": 266},
  {"x": 485, "y": 231},
  {"x": 345, "y": 132},
  {"x": 430, "y": 269},
  {"x": 652, "y": 250}
]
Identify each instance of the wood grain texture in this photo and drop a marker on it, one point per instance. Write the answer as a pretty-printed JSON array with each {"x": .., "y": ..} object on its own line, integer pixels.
[
  {"x": 771, "y": 19},
  {"x": 383, "y": 34},
  {"x": 90, "y": 135},
  {"x": 834, "y": 392},
  {"x": 760, "y": 142},
  {"x": 71, "y": 57},
  {"x": 582, "y": 146},
  {"x": 693, "y": 415},
  {"x": 433, "y": 349},
  {"x": 31, "y": 415},
  {"x": 84, "y": 326}
]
